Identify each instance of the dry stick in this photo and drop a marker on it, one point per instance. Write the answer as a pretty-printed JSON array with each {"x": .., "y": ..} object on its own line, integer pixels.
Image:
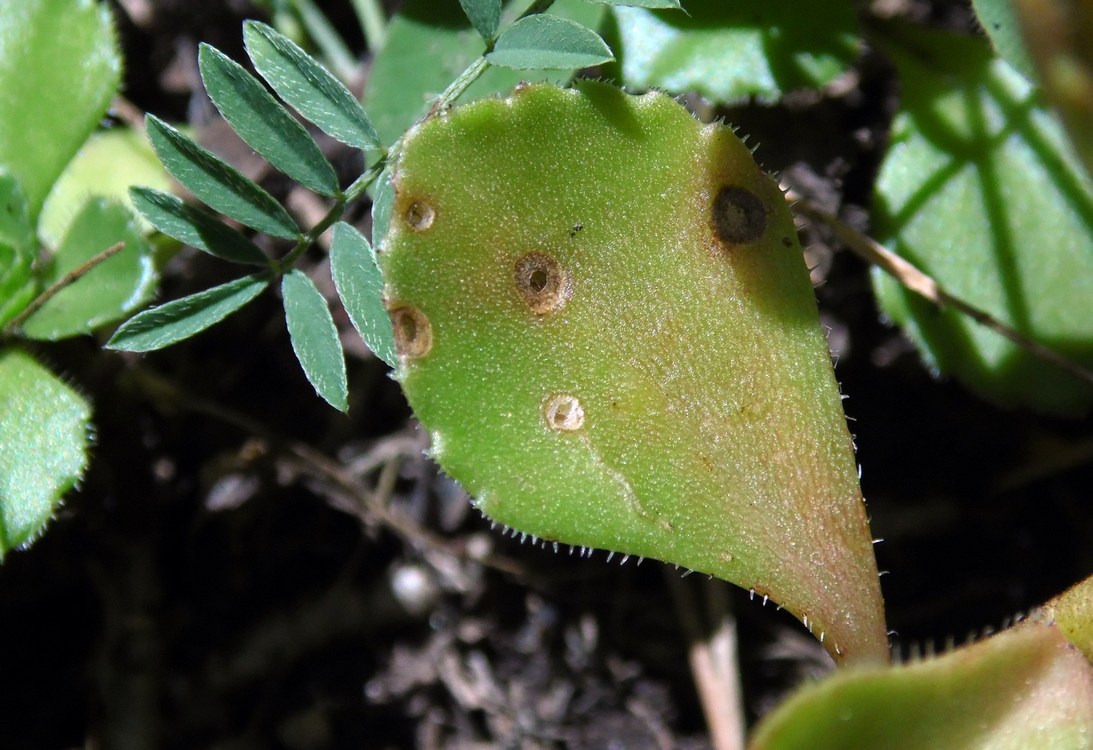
[
  {"x": 711, "y": 652},
  {"x": 871, "y": 251},
  {"x": 67, "y": 280}
]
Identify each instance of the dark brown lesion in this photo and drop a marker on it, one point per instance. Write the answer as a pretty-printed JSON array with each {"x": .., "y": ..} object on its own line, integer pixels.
[
  {"x": 739, "y": 215},
  {"x": 413, "y": 334},
  {"x": 542, "y": 282}
]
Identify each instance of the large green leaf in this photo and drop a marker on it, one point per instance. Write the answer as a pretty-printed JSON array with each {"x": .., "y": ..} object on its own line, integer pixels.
[
  {"x": 18, "y": 250},
  {"x": 315, "y": 338},
  {"x": 263, "y": 123},
  {"x": 403, "y": 82},
  {"x": 980, "y": 190},
  {"x": 730, "y": 51},
  {"x": 111, "y": 290},
  {"x": 605, "y": 321},
  {"x": 1022, "y": 689},
  {"x": 44, "y": 428},
  {"x": 59, "y": 69}
]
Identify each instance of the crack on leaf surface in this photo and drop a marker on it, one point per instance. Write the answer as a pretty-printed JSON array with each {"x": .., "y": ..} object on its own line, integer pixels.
[{"x": 631, "y": 497}]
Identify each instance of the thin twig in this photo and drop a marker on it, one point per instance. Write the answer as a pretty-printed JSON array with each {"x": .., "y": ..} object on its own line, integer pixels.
[
  {"x": 62, "y": 283},
  {"x": 373, "y": 24},
  {"x": 925, "y": 286}
]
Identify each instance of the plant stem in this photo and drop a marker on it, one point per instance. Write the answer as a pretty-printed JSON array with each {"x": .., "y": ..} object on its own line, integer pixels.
[
  {"x": 459, "y": 85},
  {"x": 65, "y": 281},
  {"x": 373, "y": 24}
]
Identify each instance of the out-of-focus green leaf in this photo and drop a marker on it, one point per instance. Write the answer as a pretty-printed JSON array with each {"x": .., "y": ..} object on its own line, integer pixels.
[
  {"x": 107, "y": 165},
  {"x": 403, "y": 83},
  {"x": 360, "y": 286},
  {"x": 980, "y": 190},
  {"x": 641, "y": 3},
  {"x": 180, "y": 319},
  {"x": 195, "y": 227},
  {"x": 999, "y": 19},
  {"x": 308, "y": 87},
  {"x": 484, "y": 15},
  {"x": 59, "y": 69},
  {"x": 17, "y": 250},
  {"x": 731, "y": 51},
  {"x": 315, "y": 338},
  {"x": 217, "y": 183},
  {"x": 44, "y": 427},
  {"x": 263, "y": 123},
  {"x": 109, "y": 291},
  {"x": 1021, "y": 689},
  {"x": 1057, "y": 34},
  {"x": 544, "y": 42}
]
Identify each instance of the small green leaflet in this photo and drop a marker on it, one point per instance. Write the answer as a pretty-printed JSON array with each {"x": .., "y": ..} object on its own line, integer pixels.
[
  {"x": 315, "y": 338},
  {"x": 308, "y": 87},
  {"x": 360, "y": 286},
  {"x": 546, "y": 42},
  {"x": 218, "y": 184},
  {"x": 194, "y": 226},
  {"x": 180, "y": 319},
  {"x": 264, "y": 124},
  {"x": 485, "y": 15}
]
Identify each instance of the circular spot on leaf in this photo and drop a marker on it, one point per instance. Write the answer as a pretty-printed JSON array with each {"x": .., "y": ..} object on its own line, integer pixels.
[
  {"x": 739, "y": 215},
  {"x": 542, "y": 282},
  {"x": 419, "y": 216},
  {"x": 413, "y": 334},
  {"x": 563, "y": 413}
]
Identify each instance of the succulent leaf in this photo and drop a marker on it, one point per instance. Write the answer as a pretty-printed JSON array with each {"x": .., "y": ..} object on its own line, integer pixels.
[{"x": 604, "y": 320}]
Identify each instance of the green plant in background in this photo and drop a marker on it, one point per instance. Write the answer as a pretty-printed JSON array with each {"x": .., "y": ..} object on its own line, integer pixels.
[
  {"x": 599, "y": 309},
  {"x": 66, "y": 193}
]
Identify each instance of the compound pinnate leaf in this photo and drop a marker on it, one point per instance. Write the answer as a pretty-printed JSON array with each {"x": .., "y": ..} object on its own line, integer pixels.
[
  {"x": 604, "y": 320},
  {"x": 484, "y": 15},
  {"x": 977, "y": 163},
  {"x": 731, "y": 51},
  {"x": 1023, "y": 688},
  {"x": 44, "y": 428},
  {"x": 182, "y": 318},
  {"x": 315, "y": 338},
  {"x": 195, "y": 227},
  {"x": 308, "y": 87},
  {"x": 545, "y": 42},
  {"x": 218, "y": 184},
  {"x": 108, "y": 292},
  {"x": 360, "y": 286},
  {"x": 263, "y": 123},
  {"x": 59, "y": 69}
]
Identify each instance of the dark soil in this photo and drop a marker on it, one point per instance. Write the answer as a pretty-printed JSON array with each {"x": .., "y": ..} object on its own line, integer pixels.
[{"x": 245, "y": 568}]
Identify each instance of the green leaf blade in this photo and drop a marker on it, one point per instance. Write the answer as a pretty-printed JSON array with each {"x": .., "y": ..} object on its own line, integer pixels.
[
  {"x": 18, "y": 250},
  {"x": 315, "y": 339},
  {"x": 308, "y": 87},
  {"x": 263, "y": 123},
  {"x": 545, "y": 42},
  {"x": 484, "y": 15},
  {"x": 180, "y": 319},
  {"x": 195, "y": 227},
  {"x": 59, "y": 69},
  {"x": 360, "y": 286},
  {"x": 44, "y": 429},
  {"x": 218, "y": 184}
]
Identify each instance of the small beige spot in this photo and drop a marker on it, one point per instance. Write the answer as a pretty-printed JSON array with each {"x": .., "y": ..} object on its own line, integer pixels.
[
  {"x": 420, "y": 216},
  {"x": 739, "y": 216},
  {"x": 413, "y": 334},
  {"x": 564, "y": 413},
  {"x": 542, "y": 282},
  {"x": 726, "y": 556}
]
